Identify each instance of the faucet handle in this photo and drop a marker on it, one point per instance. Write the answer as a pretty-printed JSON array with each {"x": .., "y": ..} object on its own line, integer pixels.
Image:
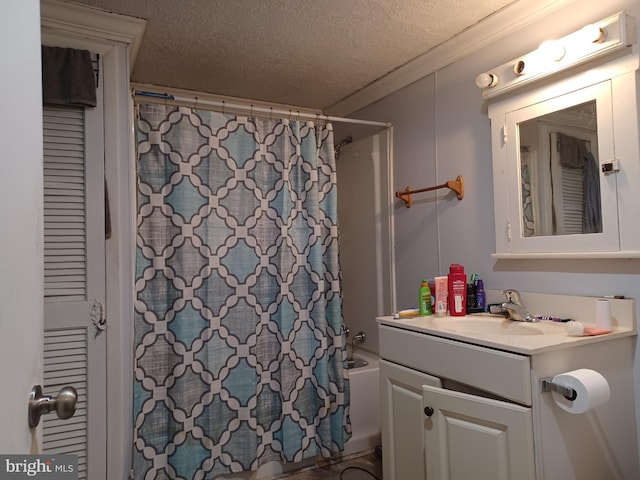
[{"x": 512, "y": 296}]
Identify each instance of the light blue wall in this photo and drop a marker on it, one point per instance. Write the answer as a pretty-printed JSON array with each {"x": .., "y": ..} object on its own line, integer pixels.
[
  {"x": 441, "y": 130},
  {"x": 412, "y": 113}
]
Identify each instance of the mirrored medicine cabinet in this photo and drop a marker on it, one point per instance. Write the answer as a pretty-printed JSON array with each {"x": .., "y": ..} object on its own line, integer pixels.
[{"x": 566, "y": 167}]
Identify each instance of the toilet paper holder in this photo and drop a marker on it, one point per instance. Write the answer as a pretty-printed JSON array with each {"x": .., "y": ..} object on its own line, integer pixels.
[{"x": 547, "y": 385}]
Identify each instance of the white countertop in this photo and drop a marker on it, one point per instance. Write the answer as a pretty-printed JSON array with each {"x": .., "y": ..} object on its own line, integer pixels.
[{"x": 552, "y": 335}]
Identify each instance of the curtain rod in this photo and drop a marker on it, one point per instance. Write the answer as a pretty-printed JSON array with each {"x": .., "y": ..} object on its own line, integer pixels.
[{"x": 194, "y": 101}]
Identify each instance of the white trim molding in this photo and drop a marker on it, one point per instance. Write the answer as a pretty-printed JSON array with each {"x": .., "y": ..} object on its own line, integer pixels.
[
  {"x": 116, "y": 38},
  {"x": 94, "y": 23},
  {"x": 502, "y": 23}
]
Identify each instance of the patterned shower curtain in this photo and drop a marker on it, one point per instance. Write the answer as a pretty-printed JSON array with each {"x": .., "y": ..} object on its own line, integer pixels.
[{"x": 239, "y": 349}]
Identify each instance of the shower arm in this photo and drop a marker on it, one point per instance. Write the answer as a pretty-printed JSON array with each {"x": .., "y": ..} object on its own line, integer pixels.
[{"x": 456, "y": 185}]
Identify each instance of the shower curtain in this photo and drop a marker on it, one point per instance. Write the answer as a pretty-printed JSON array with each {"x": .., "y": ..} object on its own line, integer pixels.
[{"x": 239, "y": 347}]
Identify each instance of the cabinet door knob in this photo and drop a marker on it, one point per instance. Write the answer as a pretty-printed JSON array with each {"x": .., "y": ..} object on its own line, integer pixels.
[{"x": 428, "y": 411}]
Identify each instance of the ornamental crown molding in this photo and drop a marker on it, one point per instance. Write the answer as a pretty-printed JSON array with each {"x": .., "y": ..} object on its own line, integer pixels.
[{"x": 94, "y": 23}]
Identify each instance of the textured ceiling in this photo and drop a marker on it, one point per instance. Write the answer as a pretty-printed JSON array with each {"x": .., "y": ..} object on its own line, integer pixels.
[{"x": 298, "y": 52}]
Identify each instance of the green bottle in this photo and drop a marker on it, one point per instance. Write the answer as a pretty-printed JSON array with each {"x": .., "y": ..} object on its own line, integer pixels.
[{"x": 425, "y": 298}]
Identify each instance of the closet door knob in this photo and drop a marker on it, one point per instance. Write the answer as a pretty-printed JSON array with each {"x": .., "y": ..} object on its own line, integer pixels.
[
  {"x": 428, "y": 411},
  {"x": 64, "y": 404}
]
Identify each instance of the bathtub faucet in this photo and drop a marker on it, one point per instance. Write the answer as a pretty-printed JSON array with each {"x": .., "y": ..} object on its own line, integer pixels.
[{"x": 359, "y": 337}]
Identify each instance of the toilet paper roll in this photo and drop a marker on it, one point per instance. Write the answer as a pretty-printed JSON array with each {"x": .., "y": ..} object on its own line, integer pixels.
[
  {"x": 603, "y": 313},
  {"x": 591, "y": 387}
]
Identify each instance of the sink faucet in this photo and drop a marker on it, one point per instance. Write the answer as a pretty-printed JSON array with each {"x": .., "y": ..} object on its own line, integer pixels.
[{"x": 515, "y": 308}]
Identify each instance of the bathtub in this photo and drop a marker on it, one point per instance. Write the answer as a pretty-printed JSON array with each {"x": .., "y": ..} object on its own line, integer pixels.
[
  {"x": 365, "y": 405},
  {"x": 364, "y": 411}
]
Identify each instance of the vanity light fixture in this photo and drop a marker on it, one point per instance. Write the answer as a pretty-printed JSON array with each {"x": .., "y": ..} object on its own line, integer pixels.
[{"x": 594, "y": 40}]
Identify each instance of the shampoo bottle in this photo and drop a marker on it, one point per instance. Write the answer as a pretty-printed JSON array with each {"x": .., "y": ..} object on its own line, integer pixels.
[
  {"x": 425, "y": 298},
  {"x": 457, "y": 290},
  {"x": 481, "y": 300},
  {"x": 432, "y": 287}
]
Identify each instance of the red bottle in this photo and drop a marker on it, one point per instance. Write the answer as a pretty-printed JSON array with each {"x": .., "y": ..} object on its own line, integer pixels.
[{"x": 457, "y": 290}]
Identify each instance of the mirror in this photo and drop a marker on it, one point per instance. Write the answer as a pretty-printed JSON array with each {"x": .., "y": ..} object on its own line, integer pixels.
[{"x": 559, "y": 172}]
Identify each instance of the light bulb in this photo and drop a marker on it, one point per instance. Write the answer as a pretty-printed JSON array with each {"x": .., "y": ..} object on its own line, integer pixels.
[
  {"x": 520, "y": 67},
  {"x": 551, "y": 50},
  {"x": 592, "y": 34},
  {"x": 533, "y": 63},
  {"x": 486, "y": 80}
]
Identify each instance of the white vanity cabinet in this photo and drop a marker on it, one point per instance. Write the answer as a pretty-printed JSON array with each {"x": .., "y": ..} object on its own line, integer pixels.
[
  {"x": 458, "y": 407},
  {"x": 435, "y": 427},
  {"x": 460, "y": 435},
  {"x": 546, "y": 206},
  {"x": 565, "y": 148}
]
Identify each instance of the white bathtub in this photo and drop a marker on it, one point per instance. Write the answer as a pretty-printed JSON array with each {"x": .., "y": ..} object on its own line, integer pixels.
[{"x": 365, "y": 405}]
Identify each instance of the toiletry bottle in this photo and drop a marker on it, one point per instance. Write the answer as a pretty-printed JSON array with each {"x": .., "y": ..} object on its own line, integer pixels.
[
  {"x": 425, "y": 298},
  {"x": 481, "y": 299},
  {"x": 441, "y": 295},
  {"x": 457, "y": 290},
  {"x": 471, "y": 297},
  {"x": 432, "y": 287}
]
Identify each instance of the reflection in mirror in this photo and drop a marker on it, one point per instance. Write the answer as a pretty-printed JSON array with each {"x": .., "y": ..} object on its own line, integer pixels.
[{"x": 560, "y": 182}]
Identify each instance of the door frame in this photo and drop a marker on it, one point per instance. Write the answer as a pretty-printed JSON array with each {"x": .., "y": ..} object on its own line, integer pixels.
[{"x": 116, "y": 38}]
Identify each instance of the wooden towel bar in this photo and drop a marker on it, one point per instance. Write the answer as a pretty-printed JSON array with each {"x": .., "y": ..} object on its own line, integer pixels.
[{"x": 456, "y": 185}]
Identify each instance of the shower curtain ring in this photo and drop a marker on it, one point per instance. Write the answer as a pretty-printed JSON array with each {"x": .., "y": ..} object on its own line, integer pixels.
[
  {"x": 270, "y": 113},
  {"x": 251, "y": 111},
  {"x": 195, "y": 103},
  {"x": 222, "y": 107}
]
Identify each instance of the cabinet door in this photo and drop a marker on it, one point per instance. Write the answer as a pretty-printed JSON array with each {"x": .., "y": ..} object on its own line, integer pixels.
[
  {"x": 403, "y": 421},
  {"x": 549, "y": 210},
  {"x": 472, "y": 437}
]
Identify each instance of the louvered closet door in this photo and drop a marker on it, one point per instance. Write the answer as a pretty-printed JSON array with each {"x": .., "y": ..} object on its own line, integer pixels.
[{"x": 74, "y": 350}]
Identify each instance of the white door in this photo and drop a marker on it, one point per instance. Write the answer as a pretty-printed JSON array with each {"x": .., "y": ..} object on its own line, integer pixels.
[
  {"x": 21, "y": 283},
  {"x": 74, "y": 282}
]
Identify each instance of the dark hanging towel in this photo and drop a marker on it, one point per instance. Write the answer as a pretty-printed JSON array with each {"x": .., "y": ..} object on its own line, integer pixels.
[
  {"x": 572, "y": 150},
  {"x": 575, "y": 154},
  {"x": 67, "y": 77}
]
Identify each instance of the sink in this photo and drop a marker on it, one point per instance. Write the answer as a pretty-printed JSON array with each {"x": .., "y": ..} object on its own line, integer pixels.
[{"x": 495, "y": 325}]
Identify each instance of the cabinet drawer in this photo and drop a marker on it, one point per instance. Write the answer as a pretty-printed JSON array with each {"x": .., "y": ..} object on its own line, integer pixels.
[{"x": 500, "y": 373}]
